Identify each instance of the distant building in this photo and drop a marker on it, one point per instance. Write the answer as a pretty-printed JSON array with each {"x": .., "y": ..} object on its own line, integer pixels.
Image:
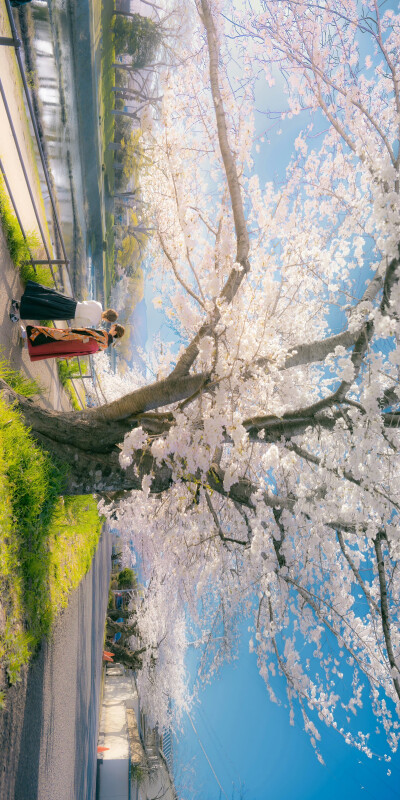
[
  {"x": 134, "y": 7},
  {"x": 134, "y": 761}
]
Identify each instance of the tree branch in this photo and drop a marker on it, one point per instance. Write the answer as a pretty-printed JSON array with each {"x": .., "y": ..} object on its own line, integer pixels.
[
  {"x": 356, "y": 573},
  {"x": 242, "y": 236},
  {"x": 236, "y": 276},
  {"x": 385, "y": 613},
  {"x": 218, "y": 526}
]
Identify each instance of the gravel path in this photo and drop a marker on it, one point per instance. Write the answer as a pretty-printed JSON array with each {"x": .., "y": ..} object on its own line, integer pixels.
[{"x": 48, "y": 734}]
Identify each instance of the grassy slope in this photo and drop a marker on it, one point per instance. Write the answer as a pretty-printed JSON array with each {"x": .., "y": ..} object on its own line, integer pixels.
[{"x": 46, "y": 542}]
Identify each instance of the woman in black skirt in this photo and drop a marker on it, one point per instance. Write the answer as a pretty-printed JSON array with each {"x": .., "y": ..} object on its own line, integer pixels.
[{"x": 40, "y": 302}]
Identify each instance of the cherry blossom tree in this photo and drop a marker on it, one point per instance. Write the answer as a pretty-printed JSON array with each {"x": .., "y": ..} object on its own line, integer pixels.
[{"x": 257, "y": 473}]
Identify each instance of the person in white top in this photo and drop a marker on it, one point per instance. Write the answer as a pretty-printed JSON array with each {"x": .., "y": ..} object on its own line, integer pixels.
[
  {"x": 88, "y": 314},
  {"x": 40, "y": 302}
]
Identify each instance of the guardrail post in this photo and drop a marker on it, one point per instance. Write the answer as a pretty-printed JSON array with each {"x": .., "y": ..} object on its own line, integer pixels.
[{"x": 9, "y": 41}]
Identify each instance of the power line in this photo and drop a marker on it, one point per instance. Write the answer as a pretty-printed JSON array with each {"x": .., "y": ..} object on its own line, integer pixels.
[
  {"x": 208, "y": 760},
  {"x": 230, "y": 766}
]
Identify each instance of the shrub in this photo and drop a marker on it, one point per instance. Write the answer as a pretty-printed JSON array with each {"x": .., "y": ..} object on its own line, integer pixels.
[
  {"x": 137, "y": 36},
  {"x": 126, "y": 579}
]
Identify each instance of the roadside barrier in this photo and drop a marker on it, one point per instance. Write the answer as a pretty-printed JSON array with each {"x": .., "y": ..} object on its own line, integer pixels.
[
  {"x": 15, "y": 42},
  {"x": 55, "y": 265}
]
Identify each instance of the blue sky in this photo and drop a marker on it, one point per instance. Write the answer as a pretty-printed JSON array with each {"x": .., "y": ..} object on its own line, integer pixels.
[{"x": 250, "y": 742}]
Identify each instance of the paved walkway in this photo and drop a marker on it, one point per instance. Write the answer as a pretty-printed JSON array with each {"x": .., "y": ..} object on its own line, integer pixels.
[
  {"x": 48, "y": 734},
  {"x": 114, "y": 768},
  {"x": 121, "y": 737}
]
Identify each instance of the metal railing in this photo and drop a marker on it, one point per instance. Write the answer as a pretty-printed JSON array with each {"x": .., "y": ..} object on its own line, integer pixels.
[
  {"x": 15, "y": 42},
  {"x": 55, "y": 265},
  {"x": 167, "y": 749},
  {"x": 91, "y": 376}
]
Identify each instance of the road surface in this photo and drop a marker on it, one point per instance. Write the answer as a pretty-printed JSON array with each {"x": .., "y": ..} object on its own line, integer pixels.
[{"x": 48, "y": 734}]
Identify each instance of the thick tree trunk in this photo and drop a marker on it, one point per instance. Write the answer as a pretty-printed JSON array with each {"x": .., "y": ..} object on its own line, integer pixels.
[
  {"x": 93, "y": 472},
  {"x": 86, "y": 443},
  {"x": 88, "y": 453},
  {"x": 86, "y": 446}
]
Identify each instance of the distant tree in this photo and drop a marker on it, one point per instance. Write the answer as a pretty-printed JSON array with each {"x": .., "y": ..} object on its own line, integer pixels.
[
  {"x": 129, "y": 658},
  {"x": 126, "y": 254},
  {"x": 119, "y": 613},
  {"x": 127, "y": 579},
  {"x": 138, "y": 37},
  {"x": 125, "y": 628},
  {"x": 154, "y": 6},
  {"x": 132, "y": 155},
  {"x": 125, "y": 352},
  {"x": 122, "y": 128}
]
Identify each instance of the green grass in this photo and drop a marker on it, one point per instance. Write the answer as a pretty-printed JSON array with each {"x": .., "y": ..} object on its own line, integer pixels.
[
  {"x": 39, "y": 275},
  {"x": 17, "y": 380},
  {"x": 70, "y": 369},
  {"x": 29, "y": 487},
  {"x": 47, "y": 542},
  {"x": 67, "y": 370},
  {"x": 74, "y": 534},
  {"x": 20, "y": 249}
]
